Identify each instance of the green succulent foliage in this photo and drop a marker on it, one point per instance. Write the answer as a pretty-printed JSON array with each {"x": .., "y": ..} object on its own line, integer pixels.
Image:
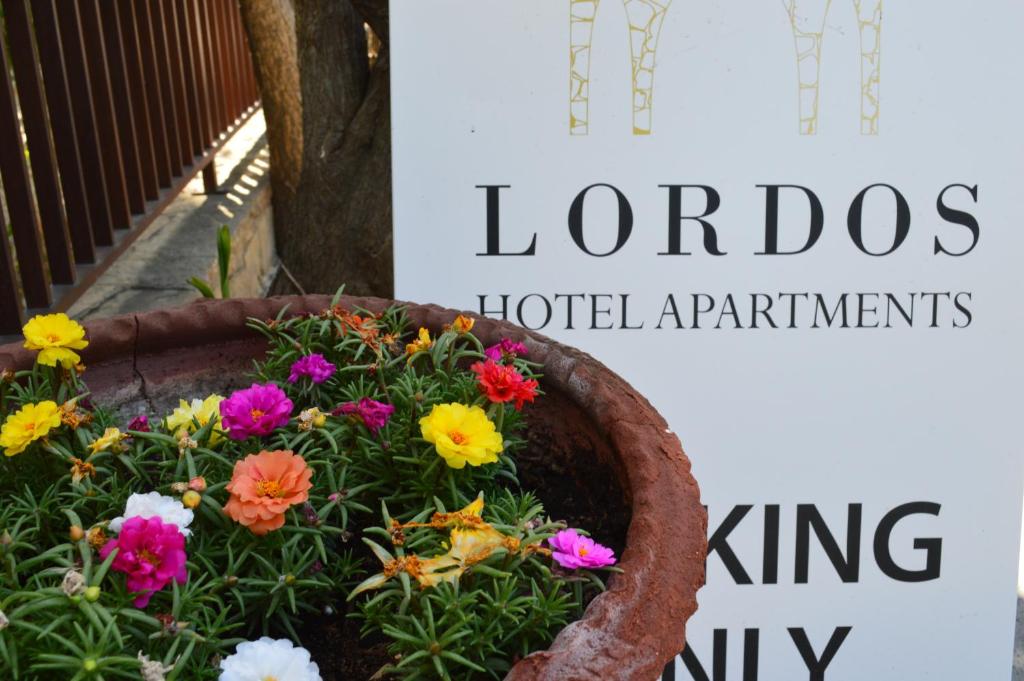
[{"x": 241, "y": 586}]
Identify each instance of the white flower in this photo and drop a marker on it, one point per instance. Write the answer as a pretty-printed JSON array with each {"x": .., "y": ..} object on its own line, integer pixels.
[
  {"x": 155, "y": 505},
  {"x": 269, "y": 659}
]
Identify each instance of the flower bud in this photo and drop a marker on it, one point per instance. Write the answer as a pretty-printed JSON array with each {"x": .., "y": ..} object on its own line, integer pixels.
[
  {"x": 197, "y": 483},
  {"x": 76, "y": 533},
  {"x": 90, "y": 664},
  {"x": 6, "y": 539},
  {"x": 191, "y": 499},
  {"x": 4, "y": 622},
  {"x": 289, "y": 580},
  {"x": 92, "y": 594}
]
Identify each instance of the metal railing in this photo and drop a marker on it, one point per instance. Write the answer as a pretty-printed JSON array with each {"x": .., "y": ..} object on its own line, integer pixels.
[{"x": 108, "y": 108}]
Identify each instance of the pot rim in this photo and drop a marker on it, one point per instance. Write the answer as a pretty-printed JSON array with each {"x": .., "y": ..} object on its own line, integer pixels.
[{"x": 629, "y": 632}]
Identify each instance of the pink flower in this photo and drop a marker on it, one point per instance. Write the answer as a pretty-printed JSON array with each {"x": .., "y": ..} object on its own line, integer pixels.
[
  {"x": 151, "y": 553},
  {"x": 372, "y": 413},
  {"x": 257, "y": 410},
  {"x": 572, "y": 551},
  {"x": 505, "y": 349},
  {"x": 139, "y": 424},
  {"x": 314, "y": 366}
]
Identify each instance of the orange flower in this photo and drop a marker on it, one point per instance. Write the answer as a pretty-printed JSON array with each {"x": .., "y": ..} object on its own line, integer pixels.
[{"x": 263, "y": 486}]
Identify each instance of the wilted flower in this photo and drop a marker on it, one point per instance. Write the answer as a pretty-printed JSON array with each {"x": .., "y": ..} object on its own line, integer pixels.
[
  {"x": 153, "y": 670},
  {"x": 56, "y": 337},
  {"x": 139, "y": 424},
  {"x": 155, "y": 505},
  {"x": 183, "y": 420},
  {"x": 463, "y": 324},
  {"x": 7, "y": 376},
  {"x": 186, "y": 442},
  {"x": 502, "y": 383},
  {"x": 81, "y": 470},
  {"x": 96, "y": 537},
  {"x": 151, "y": 553},
  {"x": 311, "y": 418},
  {"x": 422, "y": 343},
  {"x": 263, "y": 486},
  {"x": 314, "y": 367},
  {"x": 572, "y": 551},
  {"x": 268, "y": 658},
  {"x": 372, "y": 413},
  {"x": 505, "y": 350},
  {"x": 71, "y": 416},
  {"x": 257, "y": 410},
  {"x": 28, "y": 424},
  {"x": 110, "y": 440},
  {"x": 73, "y": 583},
  {"x": 462, "y": 435},
  {"x": 4, "y": 622},
  {"x": 471, "y": 541}
]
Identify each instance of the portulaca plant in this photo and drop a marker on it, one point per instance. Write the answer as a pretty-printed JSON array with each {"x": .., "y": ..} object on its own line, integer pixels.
[{"x": 366, "y": 470}]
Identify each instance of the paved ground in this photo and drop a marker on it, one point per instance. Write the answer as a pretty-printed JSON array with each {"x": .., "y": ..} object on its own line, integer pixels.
[{"x": 181, "y": 242}]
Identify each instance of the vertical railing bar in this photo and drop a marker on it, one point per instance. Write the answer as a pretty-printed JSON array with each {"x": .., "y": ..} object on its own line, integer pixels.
[
  {"x": 27, "y": 77},
  {"x": 213, "y": 72},
  {"x": 228, "y": 79},
  {"x": 177, "y": 83},
  {"x": 127, "y": 45},
  {"x": 18, "y": 194},
  {"x": 151, "y": 87},
  {"x": 137, "y": 181},
  {"x": 183, "y": 23},
  {"x": 154, "y": 39},
  {"x": 103, "y": 110},
  {"x": 12, "y": 308},
  {"x": 101, "y": 212},
  {"x": 58, "y": 100},
  {"x": 199, "y": 66},
  {"x": 241, "y": 56},
  {"x": 214, "y": 82}
]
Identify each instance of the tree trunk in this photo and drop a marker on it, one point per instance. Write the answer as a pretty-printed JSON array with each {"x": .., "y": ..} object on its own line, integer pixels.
[{"x": 328, "y": 126}]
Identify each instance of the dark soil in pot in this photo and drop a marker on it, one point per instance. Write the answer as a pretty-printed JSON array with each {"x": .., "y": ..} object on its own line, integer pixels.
[{"x": 566, "y": 463}]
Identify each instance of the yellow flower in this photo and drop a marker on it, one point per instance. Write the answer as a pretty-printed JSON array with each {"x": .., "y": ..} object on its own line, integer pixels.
[
  {"x": 182, "y": 421},
  {"x": 463, "y": 324},
  {"x": 462, "y": 435},
  {"x": 27, "y": 425},
  {"x": 422, "y": 343},
  {"x": 56, "y": 336},
  {"x": 111, "y": 439}
]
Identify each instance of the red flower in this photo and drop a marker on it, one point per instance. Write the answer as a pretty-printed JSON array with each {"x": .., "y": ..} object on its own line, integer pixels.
[{"x": 502, "y": 383}]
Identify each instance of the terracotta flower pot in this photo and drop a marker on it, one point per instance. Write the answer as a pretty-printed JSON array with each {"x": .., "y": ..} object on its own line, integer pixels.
[{"x": 629, "y": 632}]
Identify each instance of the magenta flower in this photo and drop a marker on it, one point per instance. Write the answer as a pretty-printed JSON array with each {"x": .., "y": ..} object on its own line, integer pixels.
[
  {"x": 151, "y": 553},
  {"x": 312, "y": 366},
  {"x": 572, "y": 551},
  {"x": 139, "y": 424},
  {"x": 505, "y": 349},
  {"x": 257, "y": 410},
  {"x": 372, "y": 413}
]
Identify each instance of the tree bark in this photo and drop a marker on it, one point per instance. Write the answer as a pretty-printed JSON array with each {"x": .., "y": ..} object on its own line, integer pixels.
[{"x": 328, "y": 126}]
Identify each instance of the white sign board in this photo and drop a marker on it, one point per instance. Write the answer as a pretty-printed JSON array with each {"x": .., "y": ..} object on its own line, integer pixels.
[{"x": 795, "y": 226}]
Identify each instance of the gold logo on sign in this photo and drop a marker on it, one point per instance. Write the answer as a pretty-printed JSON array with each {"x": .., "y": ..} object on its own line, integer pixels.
[
  {"x": 645, "y": 21},
  {"x": 807, "y": 18}
]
